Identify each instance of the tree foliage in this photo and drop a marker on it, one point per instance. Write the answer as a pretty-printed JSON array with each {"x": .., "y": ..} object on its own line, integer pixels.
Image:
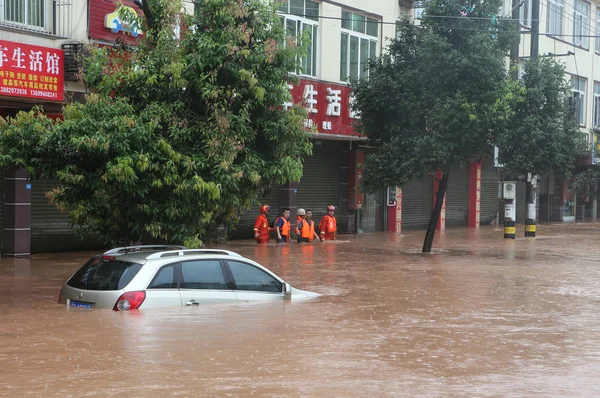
[
  {"x": 541, "y": 135},
  {"x": 438, "y": 97},
  {"x": 177, "y": 134}
]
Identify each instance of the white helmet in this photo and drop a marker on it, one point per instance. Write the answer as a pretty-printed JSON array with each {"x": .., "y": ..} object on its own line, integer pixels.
[{"x": 301, "y": 212}]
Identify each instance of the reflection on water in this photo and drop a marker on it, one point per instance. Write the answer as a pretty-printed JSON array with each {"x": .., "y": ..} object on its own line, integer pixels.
[{"x": 480, "y": 316}]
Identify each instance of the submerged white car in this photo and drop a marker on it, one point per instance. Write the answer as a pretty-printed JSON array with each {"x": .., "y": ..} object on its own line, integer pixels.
[{"x": 140, "y": 277}]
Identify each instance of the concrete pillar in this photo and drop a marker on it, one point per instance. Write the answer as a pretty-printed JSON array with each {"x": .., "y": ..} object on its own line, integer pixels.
[
  {"x": 474, "y": 194},
  {"x": 17, "y": 213},
  {"x": 436, "y": 183}
]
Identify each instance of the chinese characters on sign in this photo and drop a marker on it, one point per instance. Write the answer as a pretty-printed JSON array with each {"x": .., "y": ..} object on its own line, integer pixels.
[
  {"x": 398, "y": 210},
  {"x": 327, "y": 106},
  {"x": 31, "y": 71}
]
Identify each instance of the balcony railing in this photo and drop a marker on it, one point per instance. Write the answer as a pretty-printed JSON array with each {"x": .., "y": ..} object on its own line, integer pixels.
[{"x": 44, "y": 17}]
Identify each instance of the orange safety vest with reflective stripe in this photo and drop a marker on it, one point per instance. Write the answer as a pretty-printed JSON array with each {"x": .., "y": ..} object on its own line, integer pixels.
[
  {"x": 262, "y": 226},
  {"x": 285, "y": 229}
]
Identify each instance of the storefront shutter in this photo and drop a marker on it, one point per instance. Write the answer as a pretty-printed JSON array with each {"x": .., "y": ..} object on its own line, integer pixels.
[
  {"x": 457, "y": 198},
  {"x": 417, "y": 203},
  {"x": 244, "y": 228},
  {"x": 321, "y": 184},
  {"x": 50, "y": 228},
  {"x": 489, "y": 204}
]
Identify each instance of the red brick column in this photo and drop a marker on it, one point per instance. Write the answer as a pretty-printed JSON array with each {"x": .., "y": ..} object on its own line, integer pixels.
[
  {"x": 474, "y": 194},
  {"x": 16, "y": 231},
  {"x": 436, "y": 183}
]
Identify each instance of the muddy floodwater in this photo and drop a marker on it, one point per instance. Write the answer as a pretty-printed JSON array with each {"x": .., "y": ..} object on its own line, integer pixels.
[{"x": 481, "y": 316}]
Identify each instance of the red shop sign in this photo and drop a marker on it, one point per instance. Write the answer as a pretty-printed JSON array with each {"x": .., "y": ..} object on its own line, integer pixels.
[
  {"x": 327, "y": 106},
  {"x": 31, "y": 71}
]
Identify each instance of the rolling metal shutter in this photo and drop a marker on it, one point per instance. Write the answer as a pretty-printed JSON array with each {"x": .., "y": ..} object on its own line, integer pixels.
[
  {"x": 244, "y": 228},
  {"x": 325, "y": 177},
  {"x": 417, "y": 203},
  {"x": 457, "y": 198},
  {"x": 489, "y": 203},
  {"x": 51, "y": 230}
]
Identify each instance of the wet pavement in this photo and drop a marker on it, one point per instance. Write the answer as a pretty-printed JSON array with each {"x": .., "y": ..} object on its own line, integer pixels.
[{"x": 481, "y": 316}]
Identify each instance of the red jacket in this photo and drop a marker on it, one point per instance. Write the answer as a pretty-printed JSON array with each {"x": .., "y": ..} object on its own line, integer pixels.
[
  {"x": 328, "y": 225},
  {"x": 262, "y": 226}
]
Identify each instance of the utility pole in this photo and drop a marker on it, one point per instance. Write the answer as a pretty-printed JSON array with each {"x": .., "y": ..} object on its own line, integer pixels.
[
  {"x": 514, "y": 49},
  {"x": 530, "y": 222}
]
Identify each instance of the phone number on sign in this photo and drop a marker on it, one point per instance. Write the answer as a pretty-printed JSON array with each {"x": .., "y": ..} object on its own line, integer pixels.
[
  {"x": 46, "y": 94},
  {"x": 13, "y": 90}
]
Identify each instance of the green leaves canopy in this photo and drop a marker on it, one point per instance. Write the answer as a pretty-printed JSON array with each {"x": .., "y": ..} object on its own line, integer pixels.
[
  {"x": 438, "y": 98},
  {"x": 177, "y": 135}
]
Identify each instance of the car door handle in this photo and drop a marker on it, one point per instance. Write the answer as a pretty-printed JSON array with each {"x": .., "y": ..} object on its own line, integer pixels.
[{"x": 192, "y": 302}]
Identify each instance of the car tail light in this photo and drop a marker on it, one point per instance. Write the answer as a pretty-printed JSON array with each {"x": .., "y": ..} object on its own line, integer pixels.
[
  {"x": 108, "y": 257},
  {"x": 130, "y": 301}
]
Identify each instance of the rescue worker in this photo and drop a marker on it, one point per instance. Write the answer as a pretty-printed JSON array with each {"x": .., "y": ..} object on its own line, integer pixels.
[
  {"x": 261, "y": 226},
  {"x": 283, "y": 227},
  {"x": 328, "y": 225},
  {"x": 305, "y": 228}
]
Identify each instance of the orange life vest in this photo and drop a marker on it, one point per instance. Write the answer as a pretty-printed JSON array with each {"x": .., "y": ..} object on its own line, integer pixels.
[
  {"x": 308, "y": 229},
  {"x": 328, "y": 224},
  {"x": 285, "y": 229}
]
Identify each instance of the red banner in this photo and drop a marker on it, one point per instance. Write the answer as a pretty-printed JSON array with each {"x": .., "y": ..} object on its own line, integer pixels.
[
  {"x": 31, "y": 71},
  {"x": 328, "y": 107}
]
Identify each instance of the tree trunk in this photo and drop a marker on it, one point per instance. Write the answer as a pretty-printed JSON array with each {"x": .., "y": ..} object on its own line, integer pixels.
[{"x": 437, "y": 209}]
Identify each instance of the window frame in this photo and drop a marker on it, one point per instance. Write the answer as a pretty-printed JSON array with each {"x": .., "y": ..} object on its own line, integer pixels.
[
  {"x": 177, "y": 266},
  {"x": 525, "y": 14},
  {"x": 581, "y": 121},
  {"x": 596, "y": 106},
  {"x": 230, "y": 274},
  {"x": 583, "y": 24},
  {"x": 46, "y": 13},
  {"x": 598, "y": 30},
  {"x": 560, "y": 4},
  {"x": 228, "y": 282},
  {"x": 361, "y": 36},
  {"x": 300, "y": 22}
]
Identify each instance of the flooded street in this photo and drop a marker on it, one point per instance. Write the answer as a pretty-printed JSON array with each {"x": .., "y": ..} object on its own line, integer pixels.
[{"x": 481, "y": 316}]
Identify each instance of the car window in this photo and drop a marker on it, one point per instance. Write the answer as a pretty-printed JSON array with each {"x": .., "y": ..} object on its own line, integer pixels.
[
  {"x": 104, "y": 274},
  {"x": 248, "y": 277},
  {"x": 202, "y": 274},
  {"x": 166, "y": 278}
]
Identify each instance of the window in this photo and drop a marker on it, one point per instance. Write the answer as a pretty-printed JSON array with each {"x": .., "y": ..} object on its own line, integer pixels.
[
  {"x": 525, "y": 13},
  {"x": 166, "y": 278},
  {"x": 99, "y": 274},
  {"x": 598, "y": 30},
  {"x": 359, "y": 43},
  {"x": 248, "y": 277},
  {"x": 596, "y": 123},
  {"x": 555, "y": 17},
  {"x": 578, "y": 90},
  {"x": 26, "y": 12},
  {"x": 302, "y": 17},
  {"x": 205, "y": 274},
  {"x": 581, "y": 24}
]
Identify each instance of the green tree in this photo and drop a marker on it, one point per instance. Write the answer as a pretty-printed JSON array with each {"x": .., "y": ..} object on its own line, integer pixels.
[
  {"x": 541, "y": 135},
  {"x": 177, "y": 134},
  {"x": 437, "y": 97}
]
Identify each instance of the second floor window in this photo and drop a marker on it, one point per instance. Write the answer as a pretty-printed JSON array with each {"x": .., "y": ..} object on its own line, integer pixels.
[
  {"x": 597, "y": 105},
  {"x": 301, "y": 17},
  {"x": 598, "y": 30},
  {"x": 581, "y": 24},
  {"x": 359, "y": 43},
  {"x": 578, "y": 90},
  {"x": 555, "y": 17},
  {"x": 525, "y": 13},
  {"x": 26, "y": 13}
]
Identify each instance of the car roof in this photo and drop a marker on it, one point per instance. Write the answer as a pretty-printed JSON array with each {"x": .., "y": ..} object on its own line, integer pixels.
[{"x": 145, "y": 253}]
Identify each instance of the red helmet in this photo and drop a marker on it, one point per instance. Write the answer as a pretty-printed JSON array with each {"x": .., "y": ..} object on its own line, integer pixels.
[
  {"x": 264, "y": 208},
  {"x": 331, "y": 208}
]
